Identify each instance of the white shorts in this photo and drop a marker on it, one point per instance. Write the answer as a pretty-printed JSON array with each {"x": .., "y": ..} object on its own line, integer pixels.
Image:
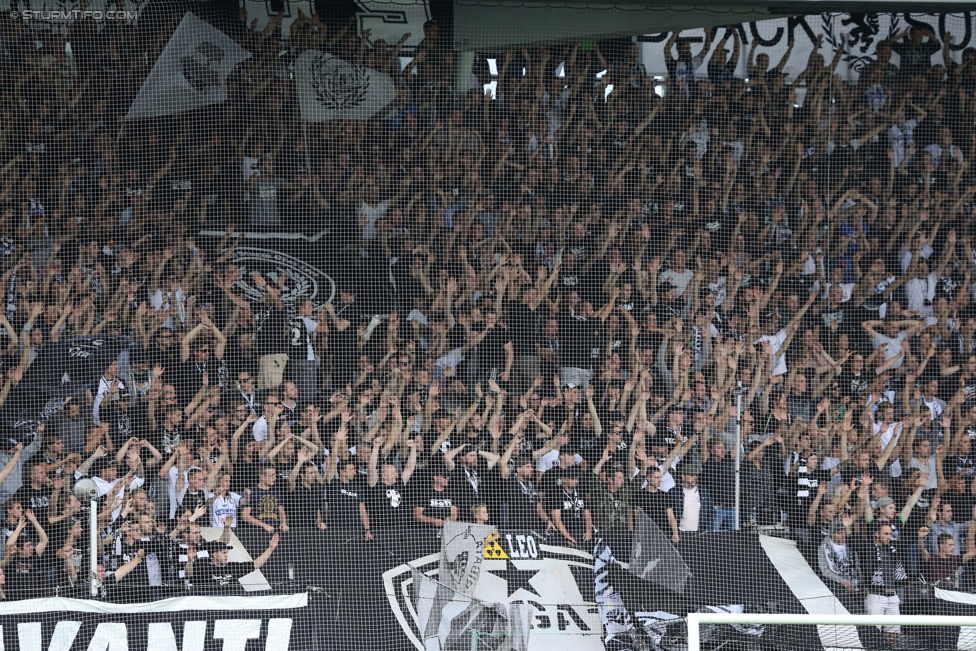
[{"x": 876, "y": 604}]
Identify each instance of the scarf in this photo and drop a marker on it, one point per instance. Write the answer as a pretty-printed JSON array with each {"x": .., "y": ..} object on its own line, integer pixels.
[
  {"x": 878, "y": 578},
  {"x": 529, "y": 491}
]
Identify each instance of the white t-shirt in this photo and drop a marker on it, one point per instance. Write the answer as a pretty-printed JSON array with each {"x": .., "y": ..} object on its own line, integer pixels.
[
  {"x": 680, "y": 281},
  {"x": 692, "y": 510},
  {"x": 919, "y": 290},
  {"x": 776, "y": 342},
  {"x": 892, "y": 346},
  {"x": 260, "y": 429},
  {"x": 551, "y": 460},
  {"x": 900, "y": 139},
  {"x": 223, "y": 507},
  {"x": 164, "y": 300},
  {"x": 372, "y": 214}
]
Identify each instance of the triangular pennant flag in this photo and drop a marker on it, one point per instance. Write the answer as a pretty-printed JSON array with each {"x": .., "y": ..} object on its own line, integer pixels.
[{"x": 190, "y": 73}]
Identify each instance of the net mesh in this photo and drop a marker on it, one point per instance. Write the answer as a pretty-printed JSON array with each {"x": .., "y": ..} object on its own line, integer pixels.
[{"x": 423, "y": 332}]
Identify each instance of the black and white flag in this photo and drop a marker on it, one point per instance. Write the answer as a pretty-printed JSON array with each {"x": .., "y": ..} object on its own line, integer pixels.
[
  {"x": 330, "y": 88},
  {"x": 462, "y": 554},
  {"x": 653, "y": 557},
  {"x": 190, "y": 73}
]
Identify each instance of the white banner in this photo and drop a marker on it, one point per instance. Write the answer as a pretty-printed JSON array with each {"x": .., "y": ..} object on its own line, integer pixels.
[
  {"x": 191, "y": 72},
  {"x": 330, "y": 88},
  {"x": 864, "y": 31}
]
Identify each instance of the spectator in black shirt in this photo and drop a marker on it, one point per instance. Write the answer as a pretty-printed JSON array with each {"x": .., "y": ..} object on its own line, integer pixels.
[
  {"x": 433, "y": 503},
  {"x": 496, "y": 352},
  {"x": 264, "y": 517},
  {"x": 916, "y": 54},
  {"x": 26, "y": 576},
  {"x": 216, "y": 574},
  {"x": 526, "y": 508},
  {"x": 471, "y": 477},
  {"x": 718, "y": 476},
  {"x": 547, "y": 347},
  {"x": 36, "y": 494},
  {"x": 655, "y": 503},
  {"x": 345, "y": 501},
  {"x": 388, "y": 506},
  {"x": 569, "y": 511}
]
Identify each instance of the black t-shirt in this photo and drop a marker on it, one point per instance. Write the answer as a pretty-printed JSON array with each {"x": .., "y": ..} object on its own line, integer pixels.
[
  {"x": 124, "y": 424},
  {"x": 155, "y": 568},
  {"x": 25, "y": 577},
  {"x": 470, "y": 486},
  {"x": 719, "y": 478},
  {"x": 522, "y": 498},
  {"x": 575, "y": 346},
  {"x": 166, "y": 440},
  {"x": 304, "y": 505},
  {"x": 840, "y": 314},
  {"x": 955, "y": 463},
  {"x": 849, "y": 471},
  {"x": 916, "y": 58},
  {"x": 435, "y": 504},
  {"x": 34, "y": 499},
  {"x": 919, "y": 514},
  {"x": 852, "y": 385},
  {"x": 245, "y": 475},
  {"x": 273, "y": 333},
  {"x": 571, "y": 507},
  {"x": 656, "y": 506},
  {"x": 491, "y": 350},
  {"x": 264, "y": 505},
  {"x": 343, "y": 502},
  {"x": 189, "y": 378},
  {"x": 388, "y": 506},
  {"x": 191, "y": 501},
  {"x": 211, "y": 578},
  {"x": 523, "y": 326},
  {"x": 962, "y": 504}
]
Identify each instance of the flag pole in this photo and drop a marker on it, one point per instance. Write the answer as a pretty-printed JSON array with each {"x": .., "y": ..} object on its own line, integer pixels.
[
  {"x": 738, "y": 456},
  {"x": 308, "y": 162}
]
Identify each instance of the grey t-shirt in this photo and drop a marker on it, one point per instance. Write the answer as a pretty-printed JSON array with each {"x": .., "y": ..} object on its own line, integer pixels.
[{"x": 262, "y": 202}]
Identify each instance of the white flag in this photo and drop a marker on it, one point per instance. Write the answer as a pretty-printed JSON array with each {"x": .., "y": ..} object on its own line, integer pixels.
[
  {"x": 190, "y": 73},
  {"x": 332, "y": 89}
]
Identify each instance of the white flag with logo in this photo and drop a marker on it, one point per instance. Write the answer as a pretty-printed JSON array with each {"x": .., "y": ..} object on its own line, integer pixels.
[
  {"x": 191, "y": 72},
  {"x": 330, "y": 88}
]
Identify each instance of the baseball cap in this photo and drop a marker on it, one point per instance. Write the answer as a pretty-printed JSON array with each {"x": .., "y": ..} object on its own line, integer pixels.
[
  {"x": 836, "y": 525},
  {"x": 885, "y": 501},
  {"x": 688, "y": 469},
  {"x": 106, "y": 462}
]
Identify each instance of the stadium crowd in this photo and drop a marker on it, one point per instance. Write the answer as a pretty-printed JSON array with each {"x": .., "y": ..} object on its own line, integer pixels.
[{"x": 547, "y": 304}]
